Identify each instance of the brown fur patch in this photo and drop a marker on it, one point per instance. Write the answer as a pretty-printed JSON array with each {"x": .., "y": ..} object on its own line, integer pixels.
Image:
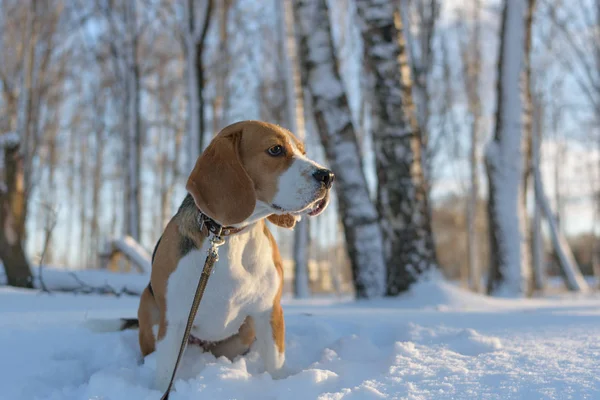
[
  {"x": 264, "y": 169},
  {"x": 277, "y": 320},
  {"x": 152, "y": 309},
  {"x": 284, "y": 221},
  {"x": 147, "y": 313},
  {"x": 219, "y": 183}
]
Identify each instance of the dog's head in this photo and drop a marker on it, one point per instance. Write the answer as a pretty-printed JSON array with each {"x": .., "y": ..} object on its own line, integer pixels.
[{"x": 252, "y": 170}]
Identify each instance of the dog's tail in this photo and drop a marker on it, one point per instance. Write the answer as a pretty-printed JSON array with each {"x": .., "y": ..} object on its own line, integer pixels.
[{"x": 111, "y": 325}]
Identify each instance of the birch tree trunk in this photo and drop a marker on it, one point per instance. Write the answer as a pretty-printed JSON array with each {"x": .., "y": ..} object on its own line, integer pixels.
[
  {"x": 320, "y": 73},
  {"x": 504, "y": 162},
  {"x": 295, "y": 112},
  {"x": 402, "y": 193}
]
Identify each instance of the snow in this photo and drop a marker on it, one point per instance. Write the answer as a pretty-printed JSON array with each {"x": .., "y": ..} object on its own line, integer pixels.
[{"x": 435, "y": 342}]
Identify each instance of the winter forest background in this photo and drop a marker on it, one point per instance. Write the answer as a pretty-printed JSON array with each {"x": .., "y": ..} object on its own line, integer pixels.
[{"x": 464, "y": 134}]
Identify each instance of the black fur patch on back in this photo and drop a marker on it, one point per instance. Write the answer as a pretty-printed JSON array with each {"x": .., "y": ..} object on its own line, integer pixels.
[
  {"x": 186, "y": 245},
  {"x": 187, "y": 203}
]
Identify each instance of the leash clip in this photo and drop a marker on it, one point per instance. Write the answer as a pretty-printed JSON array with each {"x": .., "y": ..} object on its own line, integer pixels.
[{"x": 213, "y": 251}]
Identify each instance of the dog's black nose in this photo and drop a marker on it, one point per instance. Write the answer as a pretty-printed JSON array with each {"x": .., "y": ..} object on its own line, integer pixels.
[{"x": 324, "y": 176}]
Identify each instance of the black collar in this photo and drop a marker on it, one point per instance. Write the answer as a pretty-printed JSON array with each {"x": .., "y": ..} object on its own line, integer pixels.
[{"x": 214, "y": 227}]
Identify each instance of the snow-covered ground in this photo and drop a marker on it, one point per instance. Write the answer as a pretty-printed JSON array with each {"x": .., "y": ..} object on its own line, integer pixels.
[{"x": 434, "y": 343}]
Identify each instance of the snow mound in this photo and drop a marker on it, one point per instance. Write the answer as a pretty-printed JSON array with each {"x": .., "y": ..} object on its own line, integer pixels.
[
  {"x": 437, "y": 294},
  {"x": 467, "y": 342}
]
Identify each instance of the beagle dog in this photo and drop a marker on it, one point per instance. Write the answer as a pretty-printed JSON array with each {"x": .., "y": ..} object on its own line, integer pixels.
[{"x": 251, "y": 171}]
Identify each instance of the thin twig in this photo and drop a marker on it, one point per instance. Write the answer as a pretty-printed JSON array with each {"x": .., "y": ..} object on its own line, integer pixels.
[{"x": 50, "y": 225}]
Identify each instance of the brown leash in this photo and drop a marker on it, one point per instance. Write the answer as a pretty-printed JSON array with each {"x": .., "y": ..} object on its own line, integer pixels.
[{"x": 211, "y": 259}]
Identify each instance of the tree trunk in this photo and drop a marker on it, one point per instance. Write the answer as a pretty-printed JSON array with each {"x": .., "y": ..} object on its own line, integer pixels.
[
  {"x": 199, "y": 66},
  {"x": 52, "y": 201},
  {"x": 301, "y": 257},
  {"x": 12, "y": 218},
  {"x": 193, "y": 103},
  {"x": 296, "y": 121},
  {"x": 402, "y": 193},
  {"x": 472, "y": 72},
  {"x": 83, "y": 200},
  {"x": 320, "y": 73},
  {"x": 526, "y": 146},
  {"x": 596, "y": 262},
  {"x": 96, "y": 191},
  {"x": 133, "y": 135},
  {"x": 420, "y": 50},
  {"x": 596, "y": 223},
  {"x": 538, "y": 261},
  {"x": 71, "y": 211},
  {"x": 537, "y": 245},
  {"x": 472, "y": 203},
  {"x": 28, "y": 82},
  {"x": 223, "y": 65},
  {"x": 596, "y": 193},
  {"x": 504, "y": 162},
  {"x": 194, "y": 38}
]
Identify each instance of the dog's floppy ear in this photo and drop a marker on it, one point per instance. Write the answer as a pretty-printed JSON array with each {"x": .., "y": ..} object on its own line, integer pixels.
[
  {"x": 285, "y": 220},
  {"x": 220, "y": 185}
]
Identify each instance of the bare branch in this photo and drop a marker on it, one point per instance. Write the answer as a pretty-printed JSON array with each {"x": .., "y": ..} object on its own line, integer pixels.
[{"x": 51, "y": 219}]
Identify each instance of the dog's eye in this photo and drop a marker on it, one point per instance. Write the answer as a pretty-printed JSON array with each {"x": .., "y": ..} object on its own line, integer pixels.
[{"x": 275, "y": 151}]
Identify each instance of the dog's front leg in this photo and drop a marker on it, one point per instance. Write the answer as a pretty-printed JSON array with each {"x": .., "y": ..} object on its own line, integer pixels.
[
  {"x": 270, "y": 339},
  {"x": 167, "y": 350}
]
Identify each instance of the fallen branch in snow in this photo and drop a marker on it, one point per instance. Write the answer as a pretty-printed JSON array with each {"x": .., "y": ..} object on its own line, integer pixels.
[
  {"x": 85, "y": 288},
  {"x": 568, "y": 265},
  {"x": 87, "y": 281}
]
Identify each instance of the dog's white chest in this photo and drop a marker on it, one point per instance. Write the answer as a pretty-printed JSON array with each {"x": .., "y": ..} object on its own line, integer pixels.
[{"x": 244, "y": 282}]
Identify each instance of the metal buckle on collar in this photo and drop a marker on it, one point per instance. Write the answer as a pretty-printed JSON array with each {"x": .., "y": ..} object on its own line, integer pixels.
[
  {"x": 211, "y": 226},
  {"x": 201, "y": 221}
]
